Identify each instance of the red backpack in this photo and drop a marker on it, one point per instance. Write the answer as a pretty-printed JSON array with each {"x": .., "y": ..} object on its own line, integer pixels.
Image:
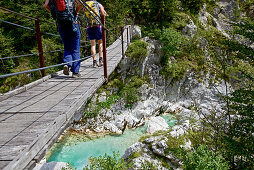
[{"x": 64, "y": 12}]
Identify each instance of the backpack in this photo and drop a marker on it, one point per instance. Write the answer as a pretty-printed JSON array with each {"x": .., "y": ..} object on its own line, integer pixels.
[
  {"x": 64, "y": 12},
  {"x": 95, "y": 10}
]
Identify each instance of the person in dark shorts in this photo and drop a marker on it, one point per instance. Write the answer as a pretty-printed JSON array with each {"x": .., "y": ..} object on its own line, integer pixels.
[{"x": 95, "y": 33}]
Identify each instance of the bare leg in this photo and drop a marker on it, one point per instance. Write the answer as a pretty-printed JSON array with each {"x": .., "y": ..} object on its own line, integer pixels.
[
  {"x": 93, "y": 49},
  {"x": 100, "y": 48}
]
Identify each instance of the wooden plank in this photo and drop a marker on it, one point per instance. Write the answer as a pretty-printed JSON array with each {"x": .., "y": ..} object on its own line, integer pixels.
[
  {"x": 3, "y": 164},
  {"x": 9, "y": 153},
  {"x": 23, "y": 159}
]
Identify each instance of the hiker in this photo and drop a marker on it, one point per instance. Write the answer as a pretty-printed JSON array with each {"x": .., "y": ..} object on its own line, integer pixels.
[
  {"x": 94, "y": 30},
  {"x": 65, "y": 15}
]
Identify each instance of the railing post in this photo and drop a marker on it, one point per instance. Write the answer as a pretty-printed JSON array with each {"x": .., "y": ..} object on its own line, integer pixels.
[
  {"x": 127, "y": 35},
  {"x": 107, "y": 38},
  {"x": 40, "y": 49},
  {"x": 104, "y": 48},
  {"x": 122, "y": 42}
]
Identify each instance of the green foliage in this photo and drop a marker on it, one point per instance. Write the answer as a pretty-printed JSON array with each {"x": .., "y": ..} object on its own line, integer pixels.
[
  {"x": 130, "y": 91},
  {"x": 203, "y": 158},
  {"x": 239, "y": 140},
  {"x": 137, "y": 49},
  {"x": 150, "y": 12},
  {"x": 111, "y": 100},
  {"x": 180, "y": 20},
  {"x": 94, "y": 110},
  {"x": 107, "y": 162},
  {"x": 193, "y": 5},
  {"x": 172, "y": 41}
]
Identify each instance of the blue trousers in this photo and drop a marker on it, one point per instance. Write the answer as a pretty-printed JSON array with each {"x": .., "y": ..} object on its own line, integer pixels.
[{"x": 71, "y": 39}]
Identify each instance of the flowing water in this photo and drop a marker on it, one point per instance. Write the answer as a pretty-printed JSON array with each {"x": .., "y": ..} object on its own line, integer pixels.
[{"x": 76, "y": 149}]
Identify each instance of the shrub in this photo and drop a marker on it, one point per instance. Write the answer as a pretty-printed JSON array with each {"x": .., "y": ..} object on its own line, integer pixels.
[
  {"x": 193, "y": 5},
  {"x": 137, "y": 49},
  {"x": 107, "y": 162},
  {"x": 203, "y": 158}
]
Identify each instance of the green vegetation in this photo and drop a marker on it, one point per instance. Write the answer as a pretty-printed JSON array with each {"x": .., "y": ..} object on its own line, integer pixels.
[
  {"x": 126, "y": 90},
  {"x": 137, "y": 49},
  {"x": 203, "y": 158},
  {"x": 107, "y": 162},
  {"x": 193, "y": 5}
]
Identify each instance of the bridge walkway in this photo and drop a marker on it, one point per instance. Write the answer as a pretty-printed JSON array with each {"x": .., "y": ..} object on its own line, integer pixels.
[{"x": 31, "y": 121}]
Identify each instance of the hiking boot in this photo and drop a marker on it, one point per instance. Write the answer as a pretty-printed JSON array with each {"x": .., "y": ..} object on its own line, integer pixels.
[
  {"x": 76, "y": 75},
  {"x": 66, "y": 70},
  {"x": 100, "y": 62},
  {"x": 95, "y": 65}
]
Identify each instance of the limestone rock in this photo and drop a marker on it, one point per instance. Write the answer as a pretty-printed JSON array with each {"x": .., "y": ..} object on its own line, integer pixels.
[
  {"x": 137, "y": 31},
  {"x": 155, "y": 124},
  {"x": 43, "y": 165},
  {"x": 190, "y": 29},
  {"x": 133, "y": 148}
]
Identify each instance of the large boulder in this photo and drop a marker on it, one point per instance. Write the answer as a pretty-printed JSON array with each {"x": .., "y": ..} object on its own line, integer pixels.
[{"x": 156, "y": 124}]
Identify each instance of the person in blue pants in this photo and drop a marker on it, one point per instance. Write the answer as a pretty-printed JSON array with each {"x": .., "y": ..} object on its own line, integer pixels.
[
  {"x": 71, "y": 40},
  {"x": 70, "y": 36}
]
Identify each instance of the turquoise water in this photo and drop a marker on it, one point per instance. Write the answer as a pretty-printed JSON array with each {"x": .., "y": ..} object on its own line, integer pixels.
[
  {"x": 170, "y": 119},
  {"x": 78, "y": 152},
  {"x": 77, "y": 149}
]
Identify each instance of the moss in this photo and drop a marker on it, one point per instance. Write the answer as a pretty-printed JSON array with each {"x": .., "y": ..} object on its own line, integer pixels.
[{"x": 134, "y": 155}]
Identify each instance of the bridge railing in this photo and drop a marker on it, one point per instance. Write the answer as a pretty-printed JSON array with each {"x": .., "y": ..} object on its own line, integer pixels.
[{"x": 115, "y": 31}]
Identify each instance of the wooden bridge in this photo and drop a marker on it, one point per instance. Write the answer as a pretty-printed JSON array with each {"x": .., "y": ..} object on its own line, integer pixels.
[{"x": 33, "y": 117}]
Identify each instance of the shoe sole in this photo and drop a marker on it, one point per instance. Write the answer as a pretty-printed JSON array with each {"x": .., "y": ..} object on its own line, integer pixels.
[
  {"x": 76, "y": 76},
  {"x": 66, "y": 70}
]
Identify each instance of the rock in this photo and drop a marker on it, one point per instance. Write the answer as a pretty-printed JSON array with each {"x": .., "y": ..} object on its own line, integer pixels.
[
  {"x": 43, "y": 165},
  {"x": 190, "y": 29},
  {"x": 99, "y": 129},
  {"x": 102, "y": 97},
  {"x": 133, "y": 148},
  {"x": 111, "y": 127},
  {"x": 136, "y": 31},
  {"x": 155, "y": 124},
  {"x": 160, "y": 147},
  {"x": 203, "y": 16}
]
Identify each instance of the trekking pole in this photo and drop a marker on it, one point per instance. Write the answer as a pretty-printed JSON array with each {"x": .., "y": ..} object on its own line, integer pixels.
[
  {"x": 104, "y": 48},
  {"x": 38, "y": 35}
]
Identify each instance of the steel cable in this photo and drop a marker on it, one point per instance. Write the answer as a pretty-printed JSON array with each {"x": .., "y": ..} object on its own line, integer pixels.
[
  {"x": 42, "y": 68},
  {"x": 27, "y": 55}
]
